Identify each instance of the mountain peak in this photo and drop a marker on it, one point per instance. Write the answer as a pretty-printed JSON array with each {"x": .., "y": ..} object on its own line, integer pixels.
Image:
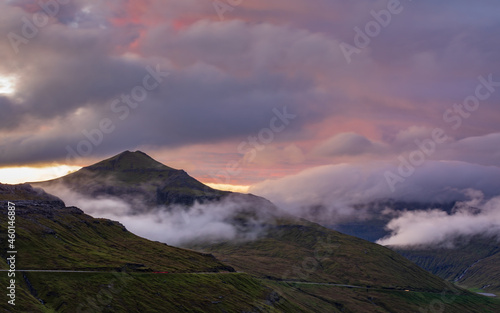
[
  {"x": 128, "y": 160},
  {"x": 135, "y": 175}
]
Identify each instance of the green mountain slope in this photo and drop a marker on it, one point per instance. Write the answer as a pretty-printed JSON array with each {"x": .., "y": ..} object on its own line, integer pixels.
[
  {"x": 119, "y": 267},
  {"x": 472, "y": 262},
  {"x": 298, "y": 250},
  {"x": 306, "y": 262},
  {"x": 324, "y": 298},
  {"x": 142, "y": 292},
  {"x": 65, "y": 238}
]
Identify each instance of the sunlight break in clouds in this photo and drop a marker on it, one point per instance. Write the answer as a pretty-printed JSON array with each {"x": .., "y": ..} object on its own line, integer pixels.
[
  {"x": 7, "y": 85},
  {"x": 17, "y": 175},
  {"x": 228, "y": 187}
]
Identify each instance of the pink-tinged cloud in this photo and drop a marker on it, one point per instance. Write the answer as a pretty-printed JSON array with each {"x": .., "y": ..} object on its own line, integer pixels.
[{"x": 227, "y": 76}]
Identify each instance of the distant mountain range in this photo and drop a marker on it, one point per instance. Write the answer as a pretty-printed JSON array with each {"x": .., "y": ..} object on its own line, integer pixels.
[{"x": 293, "y": 265}]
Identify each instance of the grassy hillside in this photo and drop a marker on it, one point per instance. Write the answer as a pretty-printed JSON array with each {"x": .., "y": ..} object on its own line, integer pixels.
[
  {"x": 147, "y": 292},
  {"x": 305, "y": 263},
  {"x": 66, "y": 238},
  {"x": 322, "y": 298},
  {"x": 142, "y": 292},
  {"x": 119, "y": 266},
  {"x": 472, "y": 262},
  {"x": 296, "y": 249}
]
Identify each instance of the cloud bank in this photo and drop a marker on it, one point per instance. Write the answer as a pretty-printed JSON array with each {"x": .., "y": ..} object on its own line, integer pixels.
[
  {"x": 436, "y": 227},
  {"x": 178, "y": 225},
  {"x": 346, "y": 192}
]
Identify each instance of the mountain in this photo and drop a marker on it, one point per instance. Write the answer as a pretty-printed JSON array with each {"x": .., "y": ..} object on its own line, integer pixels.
[
  {"x": 67, "y": 261},
  {"x": 145, "y": 186},
  {"x": 472, "y": 262},
  {"x": 304, "y": 261},
  {"x": 312, "y": 268},
  {"x": 137, "y": 178}
]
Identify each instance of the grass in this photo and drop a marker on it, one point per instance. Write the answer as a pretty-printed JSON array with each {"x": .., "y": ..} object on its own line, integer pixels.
[
  {"x": 141, "y": 292},
  {"x": 318, "y": 298},
  {"x": 450, "y": 263},
  {"x": 231, "y": 292},
  {"x": 304, "y": 251}
]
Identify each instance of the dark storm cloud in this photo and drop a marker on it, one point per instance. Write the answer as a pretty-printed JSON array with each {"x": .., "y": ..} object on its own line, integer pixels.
[
  {"x": 8, "y": 118},
  {"x": 75, "y": 70},
  {"x": 226, "y": 77}
]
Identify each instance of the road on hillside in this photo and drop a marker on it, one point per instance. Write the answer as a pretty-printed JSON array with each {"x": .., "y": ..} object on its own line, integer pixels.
[
  {"x": 370, "y": 288},
  {"x": 215, "y": 273},
  {"x": 343, "y": 285},
  {"x": 111, "y": 272}
]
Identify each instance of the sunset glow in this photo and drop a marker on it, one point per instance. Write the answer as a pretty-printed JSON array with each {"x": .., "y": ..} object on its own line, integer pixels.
[
  {"x": 227, "y": 187},
  {"x": 18, "y": 175}
]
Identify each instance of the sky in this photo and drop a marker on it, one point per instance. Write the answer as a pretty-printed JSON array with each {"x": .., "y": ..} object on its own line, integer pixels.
[{"x": 294, "y": 100}]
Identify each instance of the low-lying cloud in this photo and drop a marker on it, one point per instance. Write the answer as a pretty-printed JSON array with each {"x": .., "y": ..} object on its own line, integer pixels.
[
  {"x": 176, "y": 225},
  {"x": 436, "y": 227},
  {"x": 334, "y": 194}
]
